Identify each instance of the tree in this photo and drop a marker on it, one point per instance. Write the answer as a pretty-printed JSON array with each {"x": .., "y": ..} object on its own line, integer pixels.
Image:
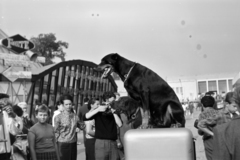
[{"x": 47, "y": 46}]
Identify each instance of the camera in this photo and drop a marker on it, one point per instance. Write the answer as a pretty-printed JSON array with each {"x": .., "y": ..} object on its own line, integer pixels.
[{"x": 108, "y": 110}]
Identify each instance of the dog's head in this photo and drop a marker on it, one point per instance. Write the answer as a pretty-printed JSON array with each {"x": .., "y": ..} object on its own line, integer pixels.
[
  {"x": 108, "y": 64},
  {"x": 127, "y": 106}
]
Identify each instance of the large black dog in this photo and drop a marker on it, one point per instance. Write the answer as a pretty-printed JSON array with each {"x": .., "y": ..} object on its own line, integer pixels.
[{"x": 161, "y": 106}]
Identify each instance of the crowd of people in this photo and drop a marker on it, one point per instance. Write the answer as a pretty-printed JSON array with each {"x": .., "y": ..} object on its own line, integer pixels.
[
  {"x": 219, "y": 126},
  {"x": 188, "y": 108},
  {"x": 103, "y": 128},
  {"x": 55, "y": 138}
]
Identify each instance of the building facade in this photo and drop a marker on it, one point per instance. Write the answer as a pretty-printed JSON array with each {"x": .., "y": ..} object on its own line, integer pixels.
[
  {"x": 186, "y": 89},
  {"x": 15, "y": 71},
  {"x": 190, "y": 88}
]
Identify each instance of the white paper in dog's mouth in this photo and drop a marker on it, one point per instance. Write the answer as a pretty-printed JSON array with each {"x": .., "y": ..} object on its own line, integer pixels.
[{"x": 106, "y": 71}]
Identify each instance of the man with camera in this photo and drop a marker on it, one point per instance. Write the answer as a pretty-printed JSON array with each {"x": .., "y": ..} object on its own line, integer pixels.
[
  {"x": 10, "y": 126},
  {"x": 106, "y": 122}
]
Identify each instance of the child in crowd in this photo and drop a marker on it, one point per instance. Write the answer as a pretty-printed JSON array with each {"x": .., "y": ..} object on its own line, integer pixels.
[
  {"x": 209, "y": 119},
  {"x": 41, "y": 137}
]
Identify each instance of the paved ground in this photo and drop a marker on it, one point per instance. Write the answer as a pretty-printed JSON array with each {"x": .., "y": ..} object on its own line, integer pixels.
[
  {"x": 200, "y": 154},
  {"x": 189, "y": 125}
]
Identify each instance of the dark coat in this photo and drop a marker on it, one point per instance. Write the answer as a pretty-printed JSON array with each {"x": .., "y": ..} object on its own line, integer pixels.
[
  {"x": 82, "y": 111},
  {"x": 226, "y": 141}
]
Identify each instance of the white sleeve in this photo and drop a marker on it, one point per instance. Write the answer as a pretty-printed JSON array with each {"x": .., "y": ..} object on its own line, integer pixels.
[
  {"x": 14, "y": 125},
  {"x": 54, "y": 115}
]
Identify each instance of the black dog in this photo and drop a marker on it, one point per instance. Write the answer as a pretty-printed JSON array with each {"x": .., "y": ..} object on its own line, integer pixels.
[
  {"x": 161, "y": 106},
  {"x": 129, "y": 107}
]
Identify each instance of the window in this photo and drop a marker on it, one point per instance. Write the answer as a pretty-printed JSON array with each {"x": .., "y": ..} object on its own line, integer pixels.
[
  {"x": 177, "y": 90},
  {"x": 202, "y": 87},
  {"x": 222, "y": 86},
  {"x": 181, "y": 90},
  {"x": 230, "y": 84},
  {"x": 212, "y": 85}
]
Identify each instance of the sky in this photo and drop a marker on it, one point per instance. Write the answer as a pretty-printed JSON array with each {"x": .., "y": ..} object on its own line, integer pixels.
[{"x": 171, "y": 37}]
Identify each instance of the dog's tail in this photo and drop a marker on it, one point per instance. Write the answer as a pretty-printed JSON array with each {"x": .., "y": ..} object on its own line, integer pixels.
[{"x": 174, "y": 115}]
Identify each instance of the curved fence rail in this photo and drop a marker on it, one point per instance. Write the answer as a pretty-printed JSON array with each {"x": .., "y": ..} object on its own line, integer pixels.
[{"x": 76, "y": 77}]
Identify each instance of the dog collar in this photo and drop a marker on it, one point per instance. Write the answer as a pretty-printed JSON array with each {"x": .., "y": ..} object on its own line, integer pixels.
[{"x": 127, "y": 75}]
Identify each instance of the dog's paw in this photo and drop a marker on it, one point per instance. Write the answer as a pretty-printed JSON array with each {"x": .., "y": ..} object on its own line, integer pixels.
[
  {"x": 145, "y": 126},
  {"x": 178, "y": 125}
]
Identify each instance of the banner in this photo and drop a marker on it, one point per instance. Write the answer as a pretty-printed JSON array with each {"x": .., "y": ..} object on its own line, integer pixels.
[
  {"x": 14, "y": 75},
  {"x": 7, "y": 59},
  {"x": 15, "y": 63},
  {"x": 17, "y": 43},
  {"x": 8, "y": 56}
]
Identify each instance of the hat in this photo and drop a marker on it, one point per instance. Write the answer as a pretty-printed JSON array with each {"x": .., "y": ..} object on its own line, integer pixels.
[
  {"x": 3, "y": 99},
  {"x": 22, "y": 104},
  {"x": 3, "y": 95}
]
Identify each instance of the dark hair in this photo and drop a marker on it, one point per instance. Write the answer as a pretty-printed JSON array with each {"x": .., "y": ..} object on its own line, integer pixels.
[
  {"x": 18, "y": 110},
  {"x": 42, "y": 108},
  {"x": 107, "y": 95},
  {"x": 91, "y": 102},
  {"x": 66, "y": 97},
  {"x": 37, "y": 102},
  {"x": 229, "y": 97},
  {"x": 57, "y": 104},
  {"x": 236, "y": 96},
  {"x": 86, "y": 99},
  {"x": 208, "y": 101}
]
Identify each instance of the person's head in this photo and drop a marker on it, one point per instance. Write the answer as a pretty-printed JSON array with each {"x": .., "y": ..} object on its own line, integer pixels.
[
  {"x": 67, "y": 102},
  {"x": 37, "y": 102},
  {"x": 232, "y": 108},
  {"x": 208, "y": 101},
  {"x": 236, "y": 96},
  {"x": 59, "y": 106},
  {"x": 42, "y": 113},
  {"x": 93, "y": 103},
  {"x": 85, "y": 100},
  {"x": 229, "y": 98},
  {"x": 109, "y": 96},
  {"x": 4, "y": 98},
  {"x": 18, "y": 110},
  {"x": 23, "y": 105}
]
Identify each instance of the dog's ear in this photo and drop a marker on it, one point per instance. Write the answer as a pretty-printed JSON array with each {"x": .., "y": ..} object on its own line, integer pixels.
[{"x": 115, "y": 56}]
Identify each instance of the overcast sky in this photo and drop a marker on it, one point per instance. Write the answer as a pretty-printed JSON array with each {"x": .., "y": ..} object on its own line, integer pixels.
[{"x": 172, "y": 37}]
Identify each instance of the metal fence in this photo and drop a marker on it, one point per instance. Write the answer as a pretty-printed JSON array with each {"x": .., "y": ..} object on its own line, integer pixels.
[{"x": 76, "y": 77}]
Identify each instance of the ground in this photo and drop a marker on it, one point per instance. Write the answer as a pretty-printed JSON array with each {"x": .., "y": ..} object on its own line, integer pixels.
[{"x": 189, "y": 125}]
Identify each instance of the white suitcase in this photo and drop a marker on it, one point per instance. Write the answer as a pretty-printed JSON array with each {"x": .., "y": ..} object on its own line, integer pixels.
[{"x": 159, "y": 144}]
